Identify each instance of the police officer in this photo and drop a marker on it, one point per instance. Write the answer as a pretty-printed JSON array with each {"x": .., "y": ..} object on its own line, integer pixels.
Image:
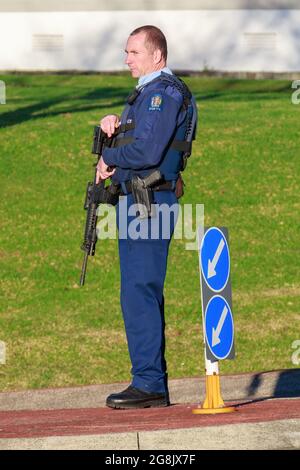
[{"x": 154, "y": 133}]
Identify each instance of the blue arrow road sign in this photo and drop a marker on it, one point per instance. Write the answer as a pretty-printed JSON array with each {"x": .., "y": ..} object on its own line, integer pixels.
[
  {"x": 219, "y": 327},
  {"x": 215, "y": 260}
]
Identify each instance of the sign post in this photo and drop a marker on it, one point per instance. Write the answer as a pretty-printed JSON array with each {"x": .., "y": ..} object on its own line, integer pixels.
[{"x": 218, "y": 327}]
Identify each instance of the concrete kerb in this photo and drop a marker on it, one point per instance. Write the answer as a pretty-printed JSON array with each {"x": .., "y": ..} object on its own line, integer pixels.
[
  {"x": 256, "y": 387},
  {"x": 271, "y": 384},
  {"x": 275, "y": 435}
]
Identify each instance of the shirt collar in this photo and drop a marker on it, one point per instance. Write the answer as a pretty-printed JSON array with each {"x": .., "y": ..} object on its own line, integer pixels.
[{"x": 150, "y": 76}]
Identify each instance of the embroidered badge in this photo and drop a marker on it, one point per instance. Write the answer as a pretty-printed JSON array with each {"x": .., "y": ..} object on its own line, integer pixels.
[{"x": 155, "y": 102}]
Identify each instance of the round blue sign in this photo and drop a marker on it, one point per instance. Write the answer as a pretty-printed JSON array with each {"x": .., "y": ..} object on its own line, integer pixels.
[
  {"x": 215, "y": 260},
  {"x": 219, "y": 329}
]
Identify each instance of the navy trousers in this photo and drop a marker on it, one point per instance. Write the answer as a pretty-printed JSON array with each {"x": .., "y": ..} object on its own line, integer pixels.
[{"x": 143, "y": 265}]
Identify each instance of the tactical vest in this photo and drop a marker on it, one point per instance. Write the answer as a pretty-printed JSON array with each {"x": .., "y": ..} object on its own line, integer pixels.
[{"x": 180, "y": 148}]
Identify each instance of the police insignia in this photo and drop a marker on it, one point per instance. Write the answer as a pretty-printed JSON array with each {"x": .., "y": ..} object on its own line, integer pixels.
[{"x": 155, "y": 102}]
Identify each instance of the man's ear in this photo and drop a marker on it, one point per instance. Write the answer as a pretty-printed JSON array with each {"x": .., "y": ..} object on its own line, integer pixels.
[{"x": 157, "y": 56}]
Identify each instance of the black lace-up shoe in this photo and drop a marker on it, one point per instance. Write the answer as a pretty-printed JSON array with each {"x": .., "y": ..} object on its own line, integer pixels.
[{"x": 134, "y": 398}]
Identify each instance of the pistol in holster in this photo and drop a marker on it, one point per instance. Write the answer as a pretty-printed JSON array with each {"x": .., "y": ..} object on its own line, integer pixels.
[{"x": 142, "y": 193}]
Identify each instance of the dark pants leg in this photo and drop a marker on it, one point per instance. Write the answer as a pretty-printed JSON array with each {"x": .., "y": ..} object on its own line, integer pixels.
[{"x": 143, "y": 266}]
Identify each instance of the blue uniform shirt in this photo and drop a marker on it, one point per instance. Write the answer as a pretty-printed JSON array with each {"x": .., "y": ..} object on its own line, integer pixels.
[
  {"x": 151, "y": 76},
  {"x": 157, "y": 114}
]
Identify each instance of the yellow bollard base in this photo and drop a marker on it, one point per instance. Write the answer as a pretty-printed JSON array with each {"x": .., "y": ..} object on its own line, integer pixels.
[
  {"x": 213, "y": 402},
  {"x": 212, "y": 411}
]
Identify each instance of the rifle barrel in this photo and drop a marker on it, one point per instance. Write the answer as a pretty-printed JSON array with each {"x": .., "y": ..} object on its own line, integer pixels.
[{"x": 83, "y": 269}]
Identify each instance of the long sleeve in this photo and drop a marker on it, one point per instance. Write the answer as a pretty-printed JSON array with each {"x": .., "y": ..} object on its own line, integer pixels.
[{"x": 155, "y": 118}]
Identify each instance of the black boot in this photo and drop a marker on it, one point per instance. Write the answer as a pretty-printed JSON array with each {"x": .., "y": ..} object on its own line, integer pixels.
[{"x": 134, "y": 398}]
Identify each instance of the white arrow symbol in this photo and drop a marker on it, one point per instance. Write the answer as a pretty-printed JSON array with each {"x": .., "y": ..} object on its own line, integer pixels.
[
  {"x": 216, "y": 332},
  {"x": 211, "y": 271}
]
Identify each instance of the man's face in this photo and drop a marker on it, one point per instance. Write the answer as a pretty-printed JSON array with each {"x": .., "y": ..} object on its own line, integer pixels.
[{"x": 139, "y": 59}]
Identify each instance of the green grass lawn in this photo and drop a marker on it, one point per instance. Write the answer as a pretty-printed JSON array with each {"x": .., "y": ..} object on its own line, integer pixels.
[{"x": 245, "y": 170}]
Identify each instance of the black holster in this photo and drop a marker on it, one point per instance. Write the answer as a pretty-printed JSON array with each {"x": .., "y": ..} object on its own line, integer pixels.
[{"x": 142, "y": 193}]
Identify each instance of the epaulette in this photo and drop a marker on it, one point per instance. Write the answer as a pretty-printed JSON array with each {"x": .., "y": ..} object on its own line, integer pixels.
[{"x": 179, "y": 84}]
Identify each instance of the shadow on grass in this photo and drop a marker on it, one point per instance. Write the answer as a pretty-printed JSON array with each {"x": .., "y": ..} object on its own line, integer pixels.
[
  {"x": 112, "y": 97},
  {"x": 244, "y": 90},
  {"x": 238, "y": 96},
  {"x": 115, "y": 97}
]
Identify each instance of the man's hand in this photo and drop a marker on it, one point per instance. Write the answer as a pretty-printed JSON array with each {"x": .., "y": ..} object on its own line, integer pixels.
[
  {"x": 103, "y": 171},
  {"x": 109, "y": 124}
]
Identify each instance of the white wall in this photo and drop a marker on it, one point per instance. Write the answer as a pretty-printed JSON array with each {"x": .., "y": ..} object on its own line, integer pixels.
[{"x": 227, "y": 40}]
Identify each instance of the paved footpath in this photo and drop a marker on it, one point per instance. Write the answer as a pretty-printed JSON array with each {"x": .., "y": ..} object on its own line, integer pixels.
[{"x": 267, "y": 416}]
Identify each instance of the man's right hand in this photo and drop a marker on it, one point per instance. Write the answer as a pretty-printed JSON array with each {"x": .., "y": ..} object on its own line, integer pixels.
[
  {"x": 109, "y": 124},
  {"x": 103, "y": 171}
]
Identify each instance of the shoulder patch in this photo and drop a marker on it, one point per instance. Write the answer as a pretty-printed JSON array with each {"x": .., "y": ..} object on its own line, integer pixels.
[{"x": 156, "y": 102}]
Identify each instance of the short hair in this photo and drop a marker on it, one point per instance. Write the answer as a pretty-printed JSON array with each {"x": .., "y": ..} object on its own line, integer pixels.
[{"x": 155, "y": 39}]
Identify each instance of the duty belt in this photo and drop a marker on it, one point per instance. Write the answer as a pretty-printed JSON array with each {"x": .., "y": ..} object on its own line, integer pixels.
[{"x": 167, "y": 186}]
